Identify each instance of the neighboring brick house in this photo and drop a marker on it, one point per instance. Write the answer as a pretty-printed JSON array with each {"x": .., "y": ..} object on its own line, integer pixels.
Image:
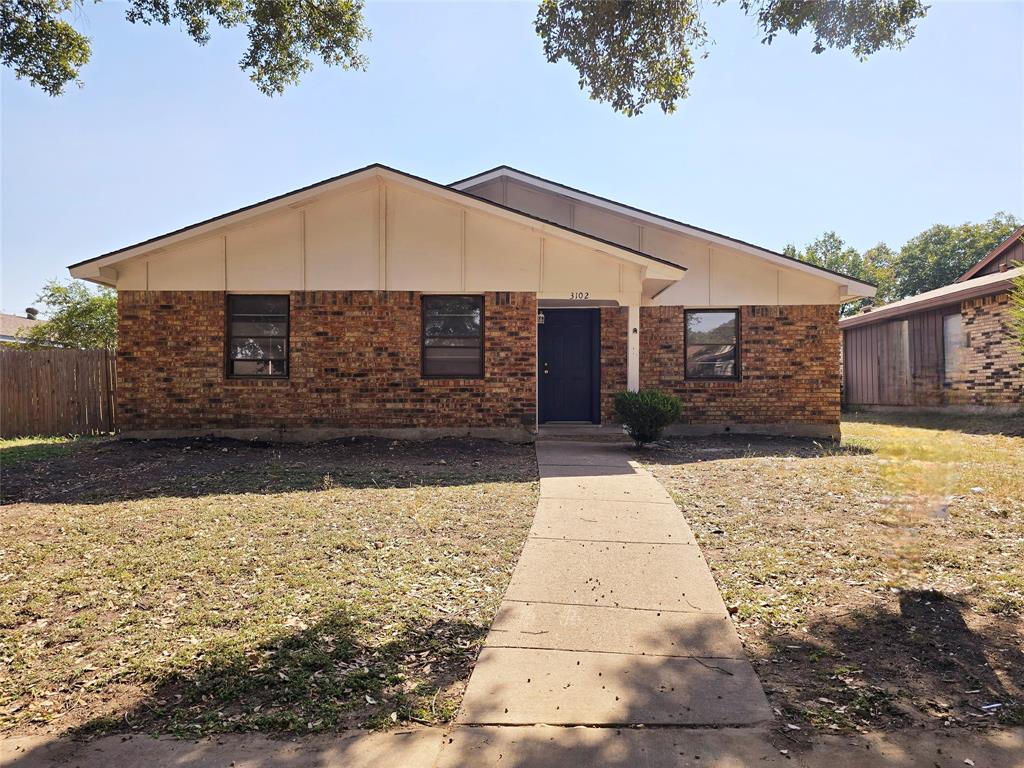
[
  {"x": 380, "y": 302},
  {"x": 953, "y": 347}
]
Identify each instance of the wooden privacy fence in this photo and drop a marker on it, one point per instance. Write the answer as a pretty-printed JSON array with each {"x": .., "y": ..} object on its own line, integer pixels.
[{"x": 56, "y": 392}]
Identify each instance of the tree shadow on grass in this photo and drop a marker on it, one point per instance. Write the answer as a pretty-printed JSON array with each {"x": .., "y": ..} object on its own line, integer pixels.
[
  {"x": 316, "y": 676},
  {"x": 321, "y": 678},
  {"x": 914, "y": 661},
  {"x": 126, "y": 470}
]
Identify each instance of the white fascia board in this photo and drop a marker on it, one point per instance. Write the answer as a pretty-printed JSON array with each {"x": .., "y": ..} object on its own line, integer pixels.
[{"x": 855, "y": 288}]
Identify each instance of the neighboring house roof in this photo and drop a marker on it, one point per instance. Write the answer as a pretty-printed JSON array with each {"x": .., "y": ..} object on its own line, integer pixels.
[
  {"x": 11, "y": 324},
  {"x": 95, "y": 265},
  {"x": 948, "y": 294},
  {"x": 663, "y": 221},
  {"x": 994, "y": 254}
]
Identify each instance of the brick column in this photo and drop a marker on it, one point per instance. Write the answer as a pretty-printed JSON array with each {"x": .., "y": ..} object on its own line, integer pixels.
[{"x": 633, "y": 348}]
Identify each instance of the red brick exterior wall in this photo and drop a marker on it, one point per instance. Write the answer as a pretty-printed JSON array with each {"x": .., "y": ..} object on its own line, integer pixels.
[
  {"x": 614, "y": 330},
  {"x": 992, "y": 367},
  {"x": 789, "y": 366},
  {"x": 354, "y": 363}
]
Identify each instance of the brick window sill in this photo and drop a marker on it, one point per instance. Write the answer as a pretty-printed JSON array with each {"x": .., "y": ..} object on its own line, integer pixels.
[
  {"x": 452, "y": 379},
  {"x": 244, "y": 383}
]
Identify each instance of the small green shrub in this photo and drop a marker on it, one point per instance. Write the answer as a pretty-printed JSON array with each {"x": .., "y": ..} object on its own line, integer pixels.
[{"x": 646, "y": 413}]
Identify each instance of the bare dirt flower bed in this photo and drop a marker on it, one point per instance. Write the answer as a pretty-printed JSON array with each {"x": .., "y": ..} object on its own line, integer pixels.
[
  {"x": 878, "y": 583},
  {"x": 204, "y": 586}
]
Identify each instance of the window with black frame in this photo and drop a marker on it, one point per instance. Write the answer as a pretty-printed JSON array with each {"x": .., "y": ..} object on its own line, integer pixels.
[
  {"x": 257, "y": 336},
  {"x": 453, "y": 337},
  {"x": 712, "y": 344}
]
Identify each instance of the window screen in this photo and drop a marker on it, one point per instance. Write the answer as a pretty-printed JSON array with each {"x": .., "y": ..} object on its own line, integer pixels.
[
  {"x": 712, "y": 346},
  {"x": 257, "y": 336},
  {"x": 453, "y": 336}
]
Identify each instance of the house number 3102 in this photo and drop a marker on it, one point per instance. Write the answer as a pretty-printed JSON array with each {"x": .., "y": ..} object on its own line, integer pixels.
[{"x": 579, "y": 295}]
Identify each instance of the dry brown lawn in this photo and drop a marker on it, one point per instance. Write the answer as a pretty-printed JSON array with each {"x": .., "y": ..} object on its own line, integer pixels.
[
  {"x": 877, "y": 583},
  {"x": 203, "y": 586}
]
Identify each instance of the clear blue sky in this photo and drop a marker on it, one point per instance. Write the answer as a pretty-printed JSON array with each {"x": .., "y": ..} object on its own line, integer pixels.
[{"x": 774, "y": 145}]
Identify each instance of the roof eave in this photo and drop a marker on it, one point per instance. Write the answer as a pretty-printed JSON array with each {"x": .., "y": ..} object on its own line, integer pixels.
[
  {"x": 894, "y": 312},
  {"x": 856, "y": 288}
]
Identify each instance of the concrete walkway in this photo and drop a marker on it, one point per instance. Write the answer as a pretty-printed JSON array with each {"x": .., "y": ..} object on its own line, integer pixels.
[{"x": 612, "y": 616}]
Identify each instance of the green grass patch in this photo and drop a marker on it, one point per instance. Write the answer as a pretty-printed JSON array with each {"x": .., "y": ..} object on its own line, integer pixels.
[{"x": 20, "y": 450}]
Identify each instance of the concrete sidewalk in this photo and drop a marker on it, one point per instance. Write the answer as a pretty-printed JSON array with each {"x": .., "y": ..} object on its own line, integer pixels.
[
  {"x": 612, "y": 616},
  {"x": 553, "y": 747},
  {"x": 530, "y": 747}
]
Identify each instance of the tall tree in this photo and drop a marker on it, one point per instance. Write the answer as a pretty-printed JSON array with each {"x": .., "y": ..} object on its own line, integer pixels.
[
  {"x": 940, "y": 254},
  {"x": 75, "y": 317},
  {"x": 879, "y": 269},
  {"x": 628, "y": 53},
  {"x": 831, "y": 252},
  {"x": 932, "y": 259}
]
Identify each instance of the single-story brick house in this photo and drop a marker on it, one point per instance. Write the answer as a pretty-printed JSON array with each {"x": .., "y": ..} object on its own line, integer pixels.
[
  {"x": 381, "y": 302},
  {"x": 950, "y": 348}
]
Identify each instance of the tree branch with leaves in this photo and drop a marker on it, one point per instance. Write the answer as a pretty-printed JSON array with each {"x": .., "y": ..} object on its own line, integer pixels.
[
  {"x": 39, "y": 44},
  {"x": 632, "y": 53},
  {"x": 628, "y": 53}
]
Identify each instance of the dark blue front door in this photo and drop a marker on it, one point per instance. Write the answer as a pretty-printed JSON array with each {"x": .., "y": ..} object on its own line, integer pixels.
[{"x": 568, "y": 365}]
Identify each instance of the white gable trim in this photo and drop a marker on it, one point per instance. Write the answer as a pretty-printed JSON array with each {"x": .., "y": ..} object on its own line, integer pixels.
[
  {"x": 853, "y": 287},
  {"x": 102, "y": 269}
]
